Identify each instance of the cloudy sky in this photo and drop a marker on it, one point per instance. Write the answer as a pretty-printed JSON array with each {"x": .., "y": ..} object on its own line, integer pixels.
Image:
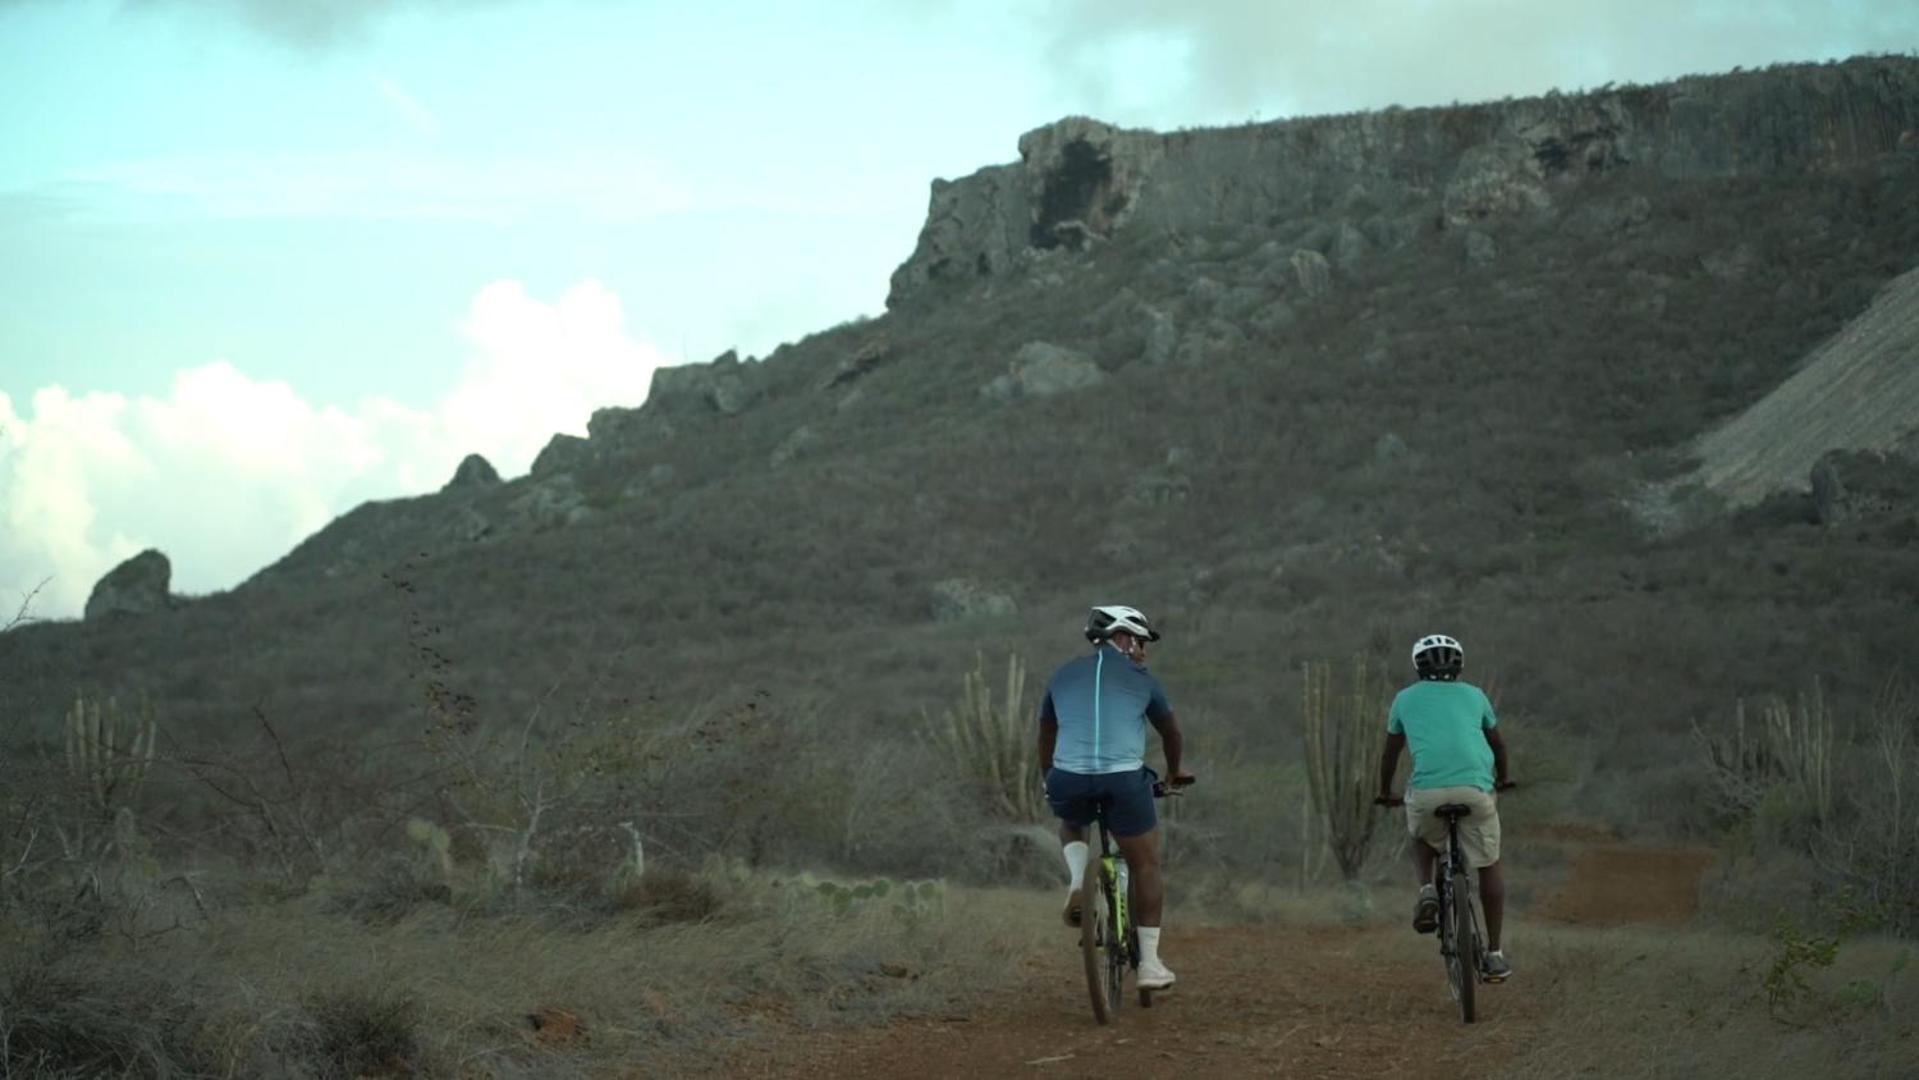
[{"x": 261, "y": 260}]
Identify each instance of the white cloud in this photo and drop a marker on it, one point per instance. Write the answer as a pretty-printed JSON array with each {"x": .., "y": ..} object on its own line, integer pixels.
[
  {"x": 1174, "y": 61},
  {"x": 225, "y": 472}
]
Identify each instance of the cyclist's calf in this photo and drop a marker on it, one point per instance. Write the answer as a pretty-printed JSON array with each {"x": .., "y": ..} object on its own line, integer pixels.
[
  {"x": 1148, "y": 889},
  {"x": 1492, "y": 897}
]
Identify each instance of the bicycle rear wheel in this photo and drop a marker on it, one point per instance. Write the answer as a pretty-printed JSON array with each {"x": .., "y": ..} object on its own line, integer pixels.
[
  {"x": 1465, "y": 944},
  {"x": 1093, "y": 931}
]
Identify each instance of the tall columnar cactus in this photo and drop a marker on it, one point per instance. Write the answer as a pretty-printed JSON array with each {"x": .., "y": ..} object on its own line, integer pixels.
[
  {"x": 995, "y": 744},
  {"x": 109, "y": 752},
  {"x": 1343, "y": 736}
]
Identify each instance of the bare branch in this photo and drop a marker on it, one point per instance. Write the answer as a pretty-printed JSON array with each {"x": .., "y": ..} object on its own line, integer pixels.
[{"x": 24, "y": 614}]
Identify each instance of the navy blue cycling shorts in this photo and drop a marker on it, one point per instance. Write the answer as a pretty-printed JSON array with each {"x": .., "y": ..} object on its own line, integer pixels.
[{"x": 1124, "y": 799}]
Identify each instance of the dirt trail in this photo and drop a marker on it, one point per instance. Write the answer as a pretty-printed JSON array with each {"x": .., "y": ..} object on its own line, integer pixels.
[
  {"x": 1617, "y": 883},
  {"x": 1267, "y": 1001},
  {"x": 1252, "y": 1001}
]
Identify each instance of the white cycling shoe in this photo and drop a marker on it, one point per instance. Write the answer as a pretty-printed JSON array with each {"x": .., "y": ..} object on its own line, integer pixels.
[
  {"x": 1070, "y": 914},
  {"x": 1154, "y": 975}
]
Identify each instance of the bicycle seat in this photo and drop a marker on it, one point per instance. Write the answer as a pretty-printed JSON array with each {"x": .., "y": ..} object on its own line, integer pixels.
[{"x": 1454, "y": 811}]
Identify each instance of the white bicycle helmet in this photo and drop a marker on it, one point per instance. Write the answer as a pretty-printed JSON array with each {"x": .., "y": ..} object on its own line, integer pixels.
[
  {"x": 1437, "y": 656},
  {"x": 1104, "y": 619}
]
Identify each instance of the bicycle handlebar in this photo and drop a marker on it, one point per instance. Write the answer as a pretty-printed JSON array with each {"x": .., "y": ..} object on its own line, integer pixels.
[{"x": 1168, "y": 788}]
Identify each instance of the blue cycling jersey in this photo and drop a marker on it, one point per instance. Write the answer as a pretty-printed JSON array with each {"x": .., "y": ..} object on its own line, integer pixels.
[{"x": 1102, "y": 702}]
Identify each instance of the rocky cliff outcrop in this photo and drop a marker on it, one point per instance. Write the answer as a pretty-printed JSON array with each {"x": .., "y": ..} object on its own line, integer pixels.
[
  {"x": 1385, "y": 175},
  {"x": 138, "y": 586}
]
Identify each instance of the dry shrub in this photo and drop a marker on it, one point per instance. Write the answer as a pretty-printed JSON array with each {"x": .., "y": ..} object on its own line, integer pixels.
[
  {"x": 74, "y": 1015},
  {"x": 666, "y": 895},
  {"x": 366, "y": 1030}
]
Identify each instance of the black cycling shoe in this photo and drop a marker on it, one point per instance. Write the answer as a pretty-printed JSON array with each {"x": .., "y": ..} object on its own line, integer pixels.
[{"x": 1426, "y": 912}]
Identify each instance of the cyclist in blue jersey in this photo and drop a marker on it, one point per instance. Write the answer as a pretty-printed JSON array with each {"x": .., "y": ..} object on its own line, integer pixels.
[
  {"x": 1458, "y": 757},
  {"x": 1092, "y": 752}
]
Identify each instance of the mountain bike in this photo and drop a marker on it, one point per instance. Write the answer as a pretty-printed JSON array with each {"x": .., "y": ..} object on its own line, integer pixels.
[
  {"x": 1108, "y": 939},
  {"x": 1462, "y": 944}
]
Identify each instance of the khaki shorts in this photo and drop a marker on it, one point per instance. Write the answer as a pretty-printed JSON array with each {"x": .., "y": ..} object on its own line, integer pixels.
[{"x": 1478, "y": 831}]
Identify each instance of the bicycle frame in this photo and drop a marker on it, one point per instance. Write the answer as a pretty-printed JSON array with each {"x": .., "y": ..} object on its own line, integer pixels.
[{"x": 1456, "y": 913}]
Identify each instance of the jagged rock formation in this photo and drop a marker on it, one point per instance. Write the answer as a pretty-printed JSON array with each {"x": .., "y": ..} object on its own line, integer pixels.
[
  {"x": 139, "y": 586},
  {"x": 1386, "y": 175},
  {"x": 474, "y": 474},
  {"x": 1858, "y": 391}
]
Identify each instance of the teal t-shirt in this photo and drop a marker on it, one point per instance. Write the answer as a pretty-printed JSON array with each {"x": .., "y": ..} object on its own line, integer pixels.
[{"x": 1444, "y": 724}]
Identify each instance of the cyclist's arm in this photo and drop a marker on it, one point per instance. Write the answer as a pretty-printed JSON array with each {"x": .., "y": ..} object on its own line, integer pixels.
[
  {"x": 1494, "y": 740},
  {"x": 1048, "y": 734},
  {"x": 1170, "y": 740},
  {"x": 1389, "y": 762}
]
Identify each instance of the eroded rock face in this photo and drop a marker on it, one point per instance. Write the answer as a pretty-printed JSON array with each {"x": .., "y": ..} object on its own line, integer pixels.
[
  {"x": 1376, "y": 179},
  {"x": 139, "y": 586}
]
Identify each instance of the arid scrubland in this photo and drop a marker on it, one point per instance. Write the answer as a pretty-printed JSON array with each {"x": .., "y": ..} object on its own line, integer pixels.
[{"x": 709, "y": 730}]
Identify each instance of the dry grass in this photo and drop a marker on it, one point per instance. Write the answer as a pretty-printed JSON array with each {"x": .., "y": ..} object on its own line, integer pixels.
[
  {"x": 302, "y": 987},
  {"x": 1675, "y": 1002}
]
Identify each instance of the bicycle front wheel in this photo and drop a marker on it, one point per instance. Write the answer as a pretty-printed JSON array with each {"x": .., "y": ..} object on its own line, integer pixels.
[
  {"x": 1094, "y": 930},
  {"x": 1465, "y": 947}
]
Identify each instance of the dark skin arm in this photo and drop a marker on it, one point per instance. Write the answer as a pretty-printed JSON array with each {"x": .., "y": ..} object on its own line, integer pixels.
[
  {"x": 1174, "y": 743},
  {"x": 1048, "y": 736},
  {"x": 1493, "y": 739},
  {"x": 1389, "y": 763}
]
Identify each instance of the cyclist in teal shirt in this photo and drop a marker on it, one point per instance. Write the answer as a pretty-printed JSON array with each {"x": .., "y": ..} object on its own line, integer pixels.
[
  {"x": 1458, "y": 757},
  {"x": 1092, "y": 753}
]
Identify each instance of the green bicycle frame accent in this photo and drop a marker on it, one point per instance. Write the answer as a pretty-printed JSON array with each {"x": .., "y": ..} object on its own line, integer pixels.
[{"x": 1122, "y": 918}]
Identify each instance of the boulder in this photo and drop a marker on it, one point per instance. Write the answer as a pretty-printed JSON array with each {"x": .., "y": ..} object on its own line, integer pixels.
[
  {"x": 959, "y": 599},
  {"x": 1854, "y": 486},
  {"x": 1314, "y": 274},
  {"x": 1162, "y": 337},
  {"x": 474, "y": 473},
  {"x": 1042, "y": 369},
  {"x": 139, "y": 586}
]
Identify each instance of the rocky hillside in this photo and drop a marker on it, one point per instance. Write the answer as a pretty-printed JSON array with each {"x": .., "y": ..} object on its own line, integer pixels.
[
  {"x": 1298, "y": 389},
  {"x": 1859, "y": 391}
]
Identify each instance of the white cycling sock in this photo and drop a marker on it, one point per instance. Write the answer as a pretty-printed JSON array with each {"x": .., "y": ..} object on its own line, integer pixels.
[
  {"x": 1148, "y": 945},
  {"x": 1076, "y": 853}
]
